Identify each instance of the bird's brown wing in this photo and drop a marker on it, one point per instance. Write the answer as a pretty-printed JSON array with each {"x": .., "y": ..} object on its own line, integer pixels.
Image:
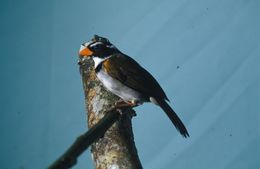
[{"x": 129, "y": 72}]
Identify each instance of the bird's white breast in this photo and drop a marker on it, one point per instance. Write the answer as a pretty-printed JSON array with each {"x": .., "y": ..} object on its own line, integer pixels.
[{"x": 118, "y": 88}]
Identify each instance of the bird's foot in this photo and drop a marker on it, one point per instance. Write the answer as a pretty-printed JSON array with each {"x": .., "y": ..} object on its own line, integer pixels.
[
  {"x": 124, "y": 107},
  {"x": 125, "y": 104}
]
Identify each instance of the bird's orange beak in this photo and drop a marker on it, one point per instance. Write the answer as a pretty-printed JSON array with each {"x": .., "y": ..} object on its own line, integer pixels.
[{"x": 85, "y": 51}]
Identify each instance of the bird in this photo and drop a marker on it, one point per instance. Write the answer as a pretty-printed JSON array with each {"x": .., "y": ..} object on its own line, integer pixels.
[{"x": 124, "y": 77}]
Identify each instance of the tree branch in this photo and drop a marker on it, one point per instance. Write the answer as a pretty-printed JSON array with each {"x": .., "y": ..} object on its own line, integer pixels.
[{"x": 69, "y": 158}]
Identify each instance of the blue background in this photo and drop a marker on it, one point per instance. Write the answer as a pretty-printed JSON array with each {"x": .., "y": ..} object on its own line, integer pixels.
[{"x": 205, "y": 54}]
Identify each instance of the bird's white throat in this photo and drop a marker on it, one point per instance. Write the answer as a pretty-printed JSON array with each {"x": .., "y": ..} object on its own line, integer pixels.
[{"x": 98, "y": 60}]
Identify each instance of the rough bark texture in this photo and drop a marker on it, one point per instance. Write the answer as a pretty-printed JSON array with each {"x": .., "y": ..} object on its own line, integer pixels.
[{"x": 116, "y": 150}]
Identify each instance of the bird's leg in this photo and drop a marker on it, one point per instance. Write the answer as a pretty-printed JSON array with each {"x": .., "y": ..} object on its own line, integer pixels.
[
  {"x": 123, "y": 107},
  {"x": 125, "y": 104}
]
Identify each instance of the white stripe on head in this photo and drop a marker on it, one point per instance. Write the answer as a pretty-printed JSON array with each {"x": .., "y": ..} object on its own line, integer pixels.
[
  {"x": 87, "y": 43},
  {"x": 95, "y": 43}
]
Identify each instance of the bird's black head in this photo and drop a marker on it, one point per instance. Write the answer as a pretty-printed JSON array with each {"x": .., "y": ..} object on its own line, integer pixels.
[{"x": 97, "y": 47}]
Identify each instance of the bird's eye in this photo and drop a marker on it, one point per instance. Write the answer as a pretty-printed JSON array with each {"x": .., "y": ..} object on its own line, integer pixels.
[{"x": 96, "y": 47}]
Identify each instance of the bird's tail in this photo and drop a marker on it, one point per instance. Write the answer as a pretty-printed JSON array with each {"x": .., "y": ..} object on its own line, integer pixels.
[{"x": 173, "y": 117}]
